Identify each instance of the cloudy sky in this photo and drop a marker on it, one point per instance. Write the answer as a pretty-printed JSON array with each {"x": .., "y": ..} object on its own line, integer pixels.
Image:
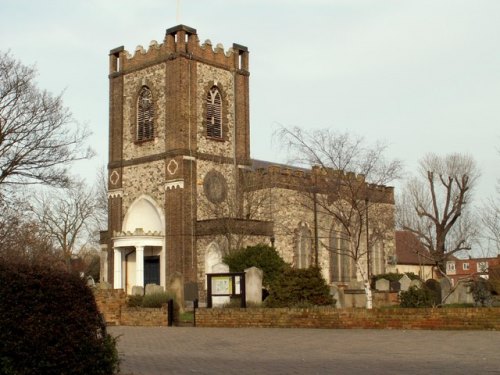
[{"x": 421, "y": 75}]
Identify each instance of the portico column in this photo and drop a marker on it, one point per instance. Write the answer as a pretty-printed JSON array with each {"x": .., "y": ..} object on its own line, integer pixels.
[
  {"x": 117, "y": 283},
  {"x": 139, "y": 266}
]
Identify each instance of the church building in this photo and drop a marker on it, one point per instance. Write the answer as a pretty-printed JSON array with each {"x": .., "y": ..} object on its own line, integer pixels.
[{"x": 183, "y": 189}]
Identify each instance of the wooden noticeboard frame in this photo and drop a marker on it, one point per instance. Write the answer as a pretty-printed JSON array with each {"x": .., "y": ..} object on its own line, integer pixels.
[{"x": 225, "y": 286}]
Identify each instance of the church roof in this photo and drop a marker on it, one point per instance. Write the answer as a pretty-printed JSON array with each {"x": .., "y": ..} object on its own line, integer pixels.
[{"x": 409, "y": 250}]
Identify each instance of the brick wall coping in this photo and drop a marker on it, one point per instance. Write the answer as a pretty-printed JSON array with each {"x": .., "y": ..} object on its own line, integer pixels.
[{"x": 326, "y": 317}]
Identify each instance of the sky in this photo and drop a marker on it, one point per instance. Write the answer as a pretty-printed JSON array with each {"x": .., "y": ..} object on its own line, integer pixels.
[{"x": 421, "y": 75}]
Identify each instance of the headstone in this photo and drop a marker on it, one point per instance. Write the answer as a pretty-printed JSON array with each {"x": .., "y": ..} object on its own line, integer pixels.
[
  {"x": 153, "y": 288},
  {"x": 394, "y": 286},
  {"x": 137, "y": 290},
  {"x": 416, "y": 283},
  {"x": 382, "y": 285},
  {"x": 220, "y": 268},
  {"x": 220, "y": 301},
  {"x": 253, "y": 285},
  {"x": 191, "y": 291},
  {"x": 404, "y": 283},
  {"x": 461, "y": 294},
  {"x": 176, "y": 287},
  {"x": 335, "y": 293},
  {"x": 445, "y": 287}
]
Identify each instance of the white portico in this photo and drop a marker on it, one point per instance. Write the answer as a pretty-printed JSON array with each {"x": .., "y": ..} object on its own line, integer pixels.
[{"x": 139, "y": 249}]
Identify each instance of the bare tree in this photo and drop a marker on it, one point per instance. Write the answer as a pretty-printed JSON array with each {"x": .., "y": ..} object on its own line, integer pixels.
[
  {"x": 38, "y": 136},
  {"x": 232, "y": 214},
  {"x": 21, "y": 238},
  {"x": 65, "y": 216},
  {"x": 436, "y": 206},
  {"x": 490, "y": 219},
  {"x": 349, "y": 190}
]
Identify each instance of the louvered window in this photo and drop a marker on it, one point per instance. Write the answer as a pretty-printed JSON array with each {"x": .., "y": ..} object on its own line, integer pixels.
[
  {"x": 214, "y": 113},
  {"x": 145, "y": 115}
]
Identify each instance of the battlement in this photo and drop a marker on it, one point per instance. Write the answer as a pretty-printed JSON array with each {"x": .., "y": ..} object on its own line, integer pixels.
[
  {"x": 179, "y": 41},
  {"x": 320, "y": 178}
]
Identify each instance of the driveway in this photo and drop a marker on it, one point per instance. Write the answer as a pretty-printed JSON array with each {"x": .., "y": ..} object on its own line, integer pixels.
[{"x": 187, "y": 350}]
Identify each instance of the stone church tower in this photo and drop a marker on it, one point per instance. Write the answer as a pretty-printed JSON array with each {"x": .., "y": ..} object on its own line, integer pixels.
[
  {"x": 179, "y": 124},
  {"x": 183, "y": 190}
]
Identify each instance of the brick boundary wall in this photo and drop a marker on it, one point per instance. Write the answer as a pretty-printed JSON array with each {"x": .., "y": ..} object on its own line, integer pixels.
[
  {"x": 323, "y": 317},
  {"x": 112, "y": 303}
]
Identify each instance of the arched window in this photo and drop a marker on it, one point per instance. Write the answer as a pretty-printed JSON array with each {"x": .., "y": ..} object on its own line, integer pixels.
[
  {"x": 342, "y": 267},
  {"x": 377, "y": 259},
  {"x": 302, "y": 254},
  {"x": 145, "y": 115},
  {"x": 214, "y": 113}
]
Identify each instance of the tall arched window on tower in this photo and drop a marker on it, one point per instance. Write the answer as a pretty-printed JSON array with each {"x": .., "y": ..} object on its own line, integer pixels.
[
  {"x": 303, "y": 241},
  {"x": 145, "y": 115},
  {"x": 214, "y": 113},
  {"x": 342, "y": 267}
]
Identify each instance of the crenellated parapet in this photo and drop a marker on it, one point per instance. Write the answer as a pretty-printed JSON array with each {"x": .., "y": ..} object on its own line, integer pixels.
[
  {"x": 179, "y": 41},
  {"x": 318, "y": 179}
]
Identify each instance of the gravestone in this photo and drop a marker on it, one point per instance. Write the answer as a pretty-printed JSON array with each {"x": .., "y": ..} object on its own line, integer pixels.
[
  {"x": 224, "y": 300},
  {"x": 416, "y": 283},
  {"x": 335, "y": 293},
  {"x": 153, "y": 288},
  {"x": 253, "y": 285},
  {"x": 394, "y": 286},
  {"x": 445, "y": 287},
  {"x": 383, "y": 285},
  {"x": 461, "y": 294},
  {"x": 404, "y": 283},
  {"x": 176, "y": 287},
  {"x": 137, "y": 290}
]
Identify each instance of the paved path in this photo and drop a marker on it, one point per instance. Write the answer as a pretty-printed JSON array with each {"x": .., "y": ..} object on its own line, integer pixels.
[{"x": 177, "y": 350}]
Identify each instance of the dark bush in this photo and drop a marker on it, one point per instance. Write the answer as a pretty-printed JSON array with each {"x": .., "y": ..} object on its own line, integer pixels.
[
  {"x": 482, "y": 292},
  {"x": 49, "y": 324},
  {"x": 299, "y": 288},
  {"x": 134, "y": 301},
  {"x": 261, "y": 256},
  {"x": 417, "y": 297}
]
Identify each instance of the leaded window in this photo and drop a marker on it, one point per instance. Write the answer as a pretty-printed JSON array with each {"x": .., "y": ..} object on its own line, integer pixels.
[
  {"x": 145, "y": 115},
  {"x": 342, "y": 268},
  {"x": 214, "y": 113},
  {"x": 303, "y": 247}
]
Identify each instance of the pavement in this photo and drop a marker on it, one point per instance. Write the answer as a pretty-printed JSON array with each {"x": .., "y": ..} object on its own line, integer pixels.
[{"x": 190, "y": 350}]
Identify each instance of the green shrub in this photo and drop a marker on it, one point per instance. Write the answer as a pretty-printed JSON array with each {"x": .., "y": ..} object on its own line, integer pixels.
[
  {"x": 261, "y": 256},
  {"x": 299, "y": 288},
  {"x": 49, "y": 324},
  {"x": 156, "y": 299},
  {"x": 134, "y": 301},
  {"x": 417, "y": 297}
]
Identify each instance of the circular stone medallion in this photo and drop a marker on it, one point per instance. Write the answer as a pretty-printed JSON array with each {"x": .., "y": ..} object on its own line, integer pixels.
[{"x": 215, "y": 186}]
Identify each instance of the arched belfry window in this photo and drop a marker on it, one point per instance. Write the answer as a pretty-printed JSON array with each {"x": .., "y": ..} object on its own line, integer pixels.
[
  {"x": 145, "y": 115},
  {"x": 342, "y": 268},
  {"x": 214, "y": 113}
]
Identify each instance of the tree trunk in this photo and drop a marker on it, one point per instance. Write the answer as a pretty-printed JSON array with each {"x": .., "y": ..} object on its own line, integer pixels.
[{"x": 366, "y": 283}]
